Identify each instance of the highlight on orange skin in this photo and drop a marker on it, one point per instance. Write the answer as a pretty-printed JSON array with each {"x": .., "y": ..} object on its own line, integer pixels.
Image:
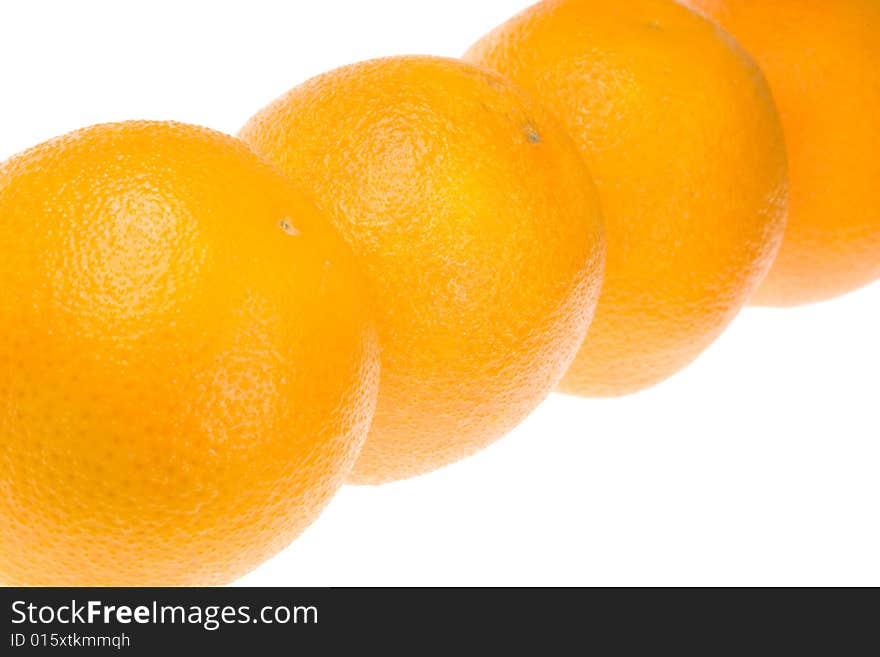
[
  {"x": 680, "y": 131},
  {"x": 185, "y": 382},
  {"x": 478, "y": 226}
]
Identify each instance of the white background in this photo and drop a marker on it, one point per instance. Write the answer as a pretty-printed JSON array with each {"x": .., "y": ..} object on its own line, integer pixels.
[{"x": 757, "y": 465}]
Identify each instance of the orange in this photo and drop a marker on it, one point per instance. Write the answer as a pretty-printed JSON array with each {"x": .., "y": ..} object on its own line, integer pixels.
[
  {"x": 189, "y": 363},
  {"x": 822, "y": 59},
  {"x": 477, "y": 224},
  {"x": 679, "y": 128}
]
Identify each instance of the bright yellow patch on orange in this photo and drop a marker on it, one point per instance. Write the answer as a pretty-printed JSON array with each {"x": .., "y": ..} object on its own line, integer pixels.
[
  {"x": 478, "y": 226},
  {"x": 679, "y": 129},
  {"x": 189, "y": 364}
]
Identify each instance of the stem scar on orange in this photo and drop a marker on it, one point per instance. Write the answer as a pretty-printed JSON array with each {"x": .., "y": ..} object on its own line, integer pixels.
[
  {"x": 680, "y": 130},
  {"x": 476, "y": 221},
  {"x": 189, "y": 361}
]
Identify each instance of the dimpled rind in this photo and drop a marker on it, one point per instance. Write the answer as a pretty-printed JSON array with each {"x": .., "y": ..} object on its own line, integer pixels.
[
  {"x": 679, "y": 128},
  {"x": 479, "y": 228},
  {"x": 185, "y": 382},
  {"x": 822, "y": 59}
]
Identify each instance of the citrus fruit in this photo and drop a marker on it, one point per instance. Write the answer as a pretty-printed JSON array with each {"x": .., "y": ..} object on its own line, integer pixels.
[
  {"x": 822, "y": 59},
  {"x": 477, "y": 224},
  {"x": 189, "y": 360},
  {"x": 679, "y": 128}
]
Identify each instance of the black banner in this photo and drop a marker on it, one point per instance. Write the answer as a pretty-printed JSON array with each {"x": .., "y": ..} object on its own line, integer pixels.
[{"x": 417, "y": 621}]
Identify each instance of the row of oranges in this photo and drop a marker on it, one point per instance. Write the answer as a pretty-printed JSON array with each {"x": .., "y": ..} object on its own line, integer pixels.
[{"x": 203, "y": 337}]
